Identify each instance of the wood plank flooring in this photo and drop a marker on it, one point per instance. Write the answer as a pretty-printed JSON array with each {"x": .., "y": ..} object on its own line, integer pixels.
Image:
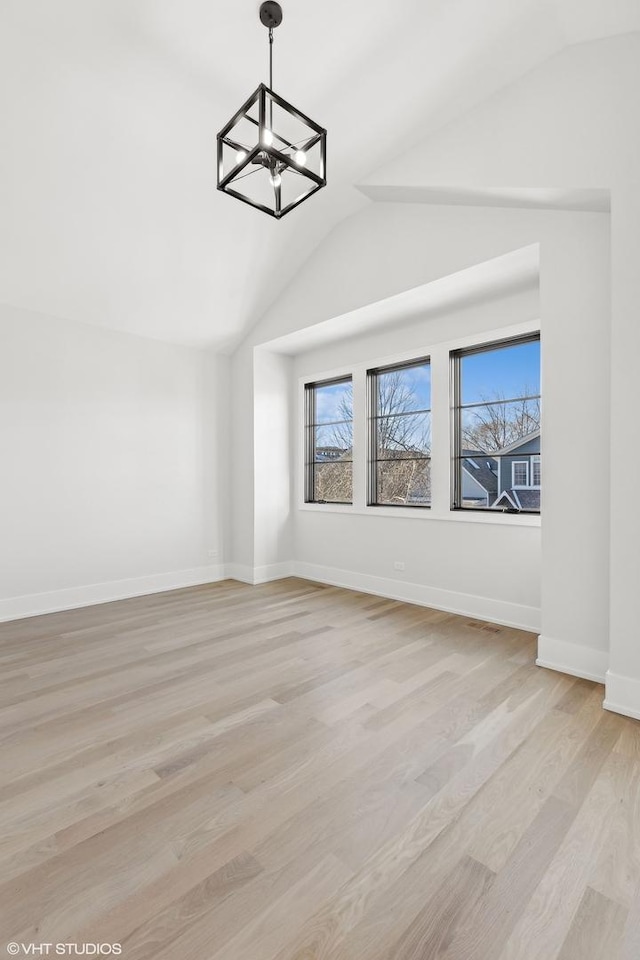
[{"x": 293, "y": 771}]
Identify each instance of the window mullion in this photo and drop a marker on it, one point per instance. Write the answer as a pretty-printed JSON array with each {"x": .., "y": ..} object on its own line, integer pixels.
[
  {"x": 359, "y": 438},
  {"x": 440, "y": 432}
]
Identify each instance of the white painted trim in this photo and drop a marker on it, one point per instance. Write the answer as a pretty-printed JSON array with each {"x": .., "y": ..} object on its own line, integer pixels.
[
  {"x": 535, "y": 458},
  {"x": 466, "y": 605},
  {"x": 511, "y": 447},
  {"x": 70, "y": 598},
  {"x": 618, "y": 708},
  {"x": 256, "y": 575},
  {"x": 623, "y": 695},
  {"x": 482, "y": 608},
  {"x": 274, "y": 571},
  {"x": 519, "y": 463},
  {"x": 514, "y": 503},
  {"x": 240, "y": 572},
  {"x": 572, "y": 658},
  {"x": 429, "y": 513}
]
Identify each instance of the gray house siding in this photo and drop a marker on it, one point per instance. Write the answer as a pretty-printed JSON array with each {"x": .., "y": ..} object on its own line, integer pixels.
[
  {"x": 487, "y": 479},
  {"x": 525, "y": 454},
  {"x": 520, "y": 490}
]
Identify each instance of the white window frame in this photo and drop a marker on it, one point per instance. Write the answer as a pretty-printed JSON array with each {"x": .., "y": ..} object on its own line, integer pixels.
[
  {"x": 536, "y": 458},
  {"x": 519, "y": 463}
]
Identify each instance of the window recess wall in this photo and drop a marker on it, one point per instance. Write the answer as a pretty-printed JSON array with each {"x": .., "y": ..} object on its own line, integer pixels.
[
  {"x": 391, "y": 446},
  {"x": 573, "y": 300},
  {"x": 435, "y": 556}
]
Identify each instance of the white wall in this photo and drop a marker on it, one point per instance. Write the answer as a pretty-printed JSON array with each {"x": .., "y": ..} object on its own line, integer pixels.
[
  {"x": 111, "y": 481},
  {"x": 273, "y": 419},
  {"x": 133, "y": 427},
  {"x": 574, "y": 122},
  {"x": 479, "y": 565},
  {"x": 389, "y": 248},
  {"x": 623, "y": 679},
  {"x": 571, "y": 123}
]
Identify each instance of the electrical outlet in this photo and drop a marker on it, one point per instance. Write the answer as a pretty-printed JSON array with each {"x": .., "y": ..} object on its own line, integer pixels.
[{"x": 398, "y": 565}]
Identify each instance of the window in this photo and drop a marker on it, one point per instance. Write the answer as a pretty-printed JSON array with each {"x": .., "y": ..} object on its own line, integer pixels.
[
  {"x": 535, "y": 467},
  {"x": 329, "y": 441},
  {"x": 520, "y": 473},
  {"x": 496, "y": 415},
  {"x": 400, "y": 435}
]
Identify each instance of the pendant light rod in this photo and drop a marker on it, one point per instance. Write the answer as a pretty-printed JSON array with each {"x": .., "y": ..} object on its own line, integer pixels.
[
  {"x": 270, "y": 58},
  {"x": 271, "y": 17}
]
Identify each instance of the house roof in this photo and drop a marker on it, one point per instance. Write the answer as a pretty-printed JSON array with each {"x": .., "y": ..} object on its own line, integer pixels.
[
  {"x": 329, "y": 453},
  {"x": 483, "y": 469},
  {"x": 520, "y": 499},
  {"x": 518, "y": 443},
  {"x": 506, "y": 499}
]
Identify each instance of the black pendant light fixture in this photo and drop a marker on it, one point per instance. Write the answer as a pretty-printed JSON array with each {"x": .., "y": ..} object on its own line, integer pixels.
[{"x": 271, "y": 155}]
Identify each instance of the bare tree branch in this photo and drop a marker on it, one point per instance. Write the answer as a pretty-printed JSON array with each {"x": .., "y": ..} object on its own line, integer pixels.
[{"x": 497, "y": 424}]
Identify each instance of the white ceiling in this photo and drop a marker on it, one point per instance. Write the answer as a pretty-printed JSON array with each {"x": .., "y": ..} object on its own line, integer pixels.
[{"x": 109, "y": 110}]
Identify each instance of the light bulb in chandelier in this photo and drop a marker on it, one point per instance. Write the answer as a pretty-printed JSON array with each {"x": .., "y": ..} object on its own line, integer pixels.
[
  {"x": 267, "y": 137},
  {"x": 241, "y": 155},
  {"x": 300, "y": 158},
  {"x": 276, "y": 180}
]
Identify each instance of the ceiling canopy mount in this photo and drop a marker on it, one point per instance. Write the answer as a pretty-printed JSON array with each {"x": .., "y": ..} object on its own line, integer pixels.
[{"x": 271, "y": 14}]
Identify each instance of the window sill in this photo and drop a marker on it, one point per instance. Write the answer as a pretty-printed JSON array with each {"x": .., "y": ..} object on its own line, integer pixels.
[{"x": 427, "y": 513}]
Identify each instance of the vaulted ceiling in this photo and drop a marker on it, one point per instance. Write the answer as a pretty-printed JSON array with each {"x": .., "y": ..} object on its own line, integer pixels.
[{"x": 109, "y": 212}]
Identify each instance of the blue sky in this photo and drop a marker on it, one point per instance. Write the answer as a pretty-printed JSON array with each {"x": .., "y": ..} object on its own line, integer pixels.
[
  {"x": 418, "y": 381},
  {"x": 329, "y": 400},
  {"x": 509, "y": 371}
]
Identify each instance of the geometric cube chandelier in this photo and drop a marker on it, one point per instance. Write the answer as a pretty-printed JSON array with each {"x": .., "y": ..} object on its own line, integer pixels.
[{"x": 271, "y": 155}]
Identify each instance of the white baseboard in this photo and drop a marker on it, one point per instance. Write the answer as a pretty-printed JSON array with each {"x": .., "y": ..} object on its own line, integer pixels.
[
  {"x": 256, "y": 575},
  {"x": 237, "y": 571},
  {"x": 572, "y": 658},
  {"x": 466, "y": 605},
  {"x": 36, "y": 604},
  {"x": 623, "y": 695},
  {"x": 481, "y": 608},
  {"x": 274, "y": 571}
]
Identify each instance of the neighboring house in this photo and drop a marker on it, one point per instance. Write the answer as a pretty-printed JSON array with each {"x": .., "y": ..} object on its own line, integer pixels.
[
  {"x": 330, "y": 453},
  {"x": 479, "y": 478},
  {"x": 507, "y": 480},
  {"x": 519, "y": 474}
]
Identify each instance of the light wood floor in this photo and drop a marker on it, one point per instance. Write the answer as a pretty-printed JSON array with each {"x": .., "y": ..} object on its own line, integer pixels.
[{"x": 291, "y": 771}]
